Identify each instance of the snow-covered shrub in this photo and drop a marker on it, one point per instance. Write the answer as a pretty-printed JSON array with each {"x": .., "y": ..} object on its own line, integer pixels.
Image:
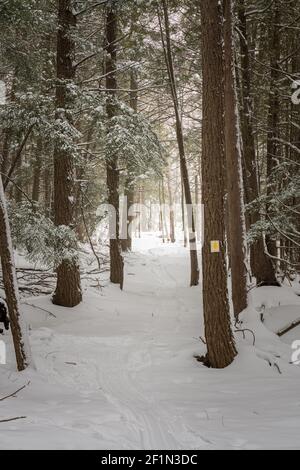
[{"x": 36, "y": 234}]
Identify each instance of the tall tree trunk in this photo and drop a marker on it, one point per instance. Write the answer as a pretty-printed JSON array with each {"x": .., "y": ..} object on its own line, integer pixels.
[
  {"x": 161, "y": 214},
  {"x": 295, "y": 137},
  {"x": 197, "y": 204},
  {"x": 220, "y": 342},
  {"x": 261, "y": 265},
  {"x": 112, "y": 172},
  {"x": 180, "y": 141},
  {"x": 185, "y": 242},
  {"x": 273, "y": 113},
  {"x": 47, "y": 177},
  {"x": 163, "y": 197},
  {"x": 68, "y": 289},
  {"x": 129, "y": 183},
  {"x": 235, "y": 190},
  {"x": 21, "y": 344},
  {"x": 18, "y": 196},
  {"x": 171, "y": 211}
]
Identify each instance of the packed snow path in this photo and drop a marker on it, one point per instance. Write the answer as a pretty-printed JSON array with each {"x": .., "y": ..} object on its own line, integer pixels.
[{"x": 118, "y": 372}]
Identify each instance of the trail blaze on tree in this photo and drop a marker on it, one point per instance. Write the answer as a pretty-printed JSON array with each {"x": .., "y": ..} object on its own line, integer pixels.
[
  {"x": 219, "y": 338},
  {"x": 143, "y": 99}
]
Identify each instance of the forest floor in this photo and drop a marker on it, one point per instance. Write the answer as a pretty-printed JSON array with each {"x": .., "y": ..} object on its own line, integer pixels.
[{"x": 118, "y": 371}]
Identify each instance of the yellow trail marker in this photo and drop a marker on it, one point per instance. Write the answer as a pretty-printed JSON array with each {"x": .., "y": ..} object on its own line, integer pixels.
[{"x": 215, "y": 246}]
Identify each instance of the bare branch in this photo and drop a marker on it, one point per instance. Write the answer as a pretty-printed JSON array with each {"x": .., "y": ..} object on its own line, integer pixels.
[
  {"x": 18, "y": 188},
  {"x": 288, "y": 328},
  {"x": 15, "y": 393},
  {"x": 91, "y": 7},
  {"x": 85, "y": 59},
  {"x": 17, "y": 157},
  {"x": 40, "y": 308},
  {"x": 243, "y": 331},
  {"x": 259, "y": 12},
  {"x": 12, "y": 419}
]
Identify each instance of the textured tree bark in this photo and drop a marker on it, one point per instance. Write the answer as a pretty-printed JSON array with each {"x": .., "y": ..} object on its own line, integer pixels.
[
  {"x": 68, "y": 288},
  {"x": 295, "y": 136},
  {"x": 183, "y": 217},
  {"x": 48, "y": 179},
  {"x": 273, "y": 122},
  {"x": 197, "y": 203},
  {"x": 17, "y": 194},
  {"x": 273, "y": 114},
  {"x": 261, "y": 265},
  {"x": 21, "y": 345},
  {"x": 163, "y": 198},
  {"x": 235, "y": 190},
  {"x": 180, "y": 141},
  {"x": 161, "y": 213},
  {"x": 112, "y": 172},
  {"x": 219, "y": 338},
  {"x": 171, "y": 211}
]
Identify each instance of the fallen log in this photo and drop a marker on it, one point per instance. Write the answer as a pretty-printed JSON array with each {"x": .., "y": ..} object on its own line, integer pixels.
[{"x": 288, "y": 328}]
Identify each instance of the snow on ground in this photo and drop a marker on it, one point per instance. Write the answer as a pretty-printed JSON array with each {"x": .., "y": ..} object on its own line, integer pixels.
[{"x": 118, "y": 371}]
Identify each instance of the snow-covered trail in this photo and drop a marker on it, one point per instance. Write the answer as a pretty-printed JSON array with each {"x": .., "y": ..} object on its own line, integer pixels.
[
  {"x": 101, "y": 348},
  {"x": 118, "y": 372},
  {"x": 165, "y": 290}
]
